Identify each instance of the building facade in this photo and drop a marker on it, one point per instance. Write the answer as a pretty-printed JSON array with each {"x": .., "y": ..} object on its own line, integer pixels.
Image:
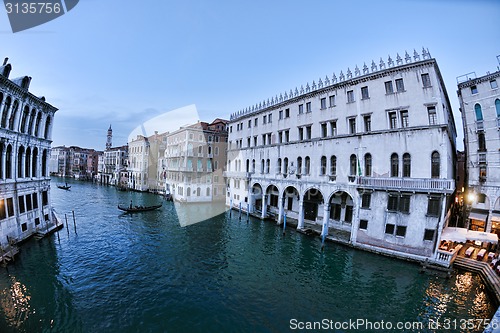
[
  {"x": 480, "y": 107},
  {"x": 25, "y": 140},
  {"x": 194, "y": 162},
  {"x": 368, "y": 156}
]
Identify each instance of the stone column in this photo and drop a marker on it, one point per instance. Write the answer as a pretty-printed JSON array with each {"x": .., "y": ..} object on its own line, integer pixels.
[
  {"x": 326, "y": 219},
  {"x": 487, "y": 227},
  {"x": 250, "y": 202},
  {"x": 264, "y": 206},
  {"x": 281, "y": 202},
  {"x": 300, "y": 224}
]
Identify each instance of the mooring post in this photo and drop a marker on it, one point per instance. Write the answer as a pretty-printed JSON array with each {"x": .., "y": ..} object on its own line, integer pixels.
[
  {"x": 66, "y": 217},
  {"x": 284, "y": 222},
  {"x": 248, "y": 211},
  {"x": 322, "y": 241},
  {"x": 74, "y": 220},
  {"x": 240, "y": 211}
]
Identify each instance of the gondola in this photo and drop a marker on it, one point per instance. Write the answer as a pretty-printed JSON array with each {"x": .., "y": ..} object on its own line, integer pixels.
[
  {"x": 134, "y": 209},
  {"x": 64, "y": 187}
]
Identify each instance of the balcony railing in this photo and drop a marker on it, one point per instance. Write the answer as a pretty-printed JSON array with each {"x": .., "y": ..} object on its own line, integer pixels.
[{"x": 411, "y": 184}]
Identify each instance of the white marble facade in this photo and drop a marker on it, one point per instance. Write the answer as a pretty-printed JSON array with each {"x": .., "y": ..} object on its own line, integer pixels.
[{"x": 370, "y": 155}]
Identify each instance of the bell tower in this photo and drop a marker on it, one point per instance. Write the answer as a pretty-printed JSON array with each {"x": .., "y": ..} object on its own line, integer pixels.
[{"x": 109, "y": 138}]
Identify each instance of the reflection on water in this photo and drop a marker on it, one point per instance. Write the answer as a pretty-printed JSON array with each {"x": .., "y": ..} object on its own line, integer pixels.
[
  {"x": 145, "y": 273},
  {"x": 15, "y": 303}
]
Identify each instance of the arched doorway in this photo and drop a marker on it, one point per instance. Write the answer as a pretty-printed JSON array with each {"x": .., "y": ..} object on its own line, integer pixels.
[
  {"x": 291, "y": 196},
  {"x": 257, "y": 196},
  {"x": 341, "y": 207},
  {"x": 312, "y": 199}
]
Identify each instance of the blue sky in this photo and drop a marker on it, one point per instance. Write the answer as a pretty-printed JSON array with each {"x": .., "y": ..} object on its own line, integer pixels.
[{"x": 123, "y": 62}]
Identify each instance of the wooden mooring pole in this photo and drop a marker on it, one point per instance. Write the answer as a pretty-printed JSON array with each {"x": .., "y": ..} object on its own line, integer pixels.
[
  {"x": 66, "y": 217},
  {"x": 74, "y": 220}
]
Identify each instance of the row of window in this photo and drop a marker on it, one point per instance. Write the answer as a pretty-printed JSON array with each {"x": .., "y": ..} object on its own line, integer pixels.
[
  {"x": 396, "y": 119},
  {"x": 26, "y": 203},
  {"x": 493, "y": 85},
  {"x": 479, "y": 112},
  {"x": 303, "y": 166},
  {"x": 27, "y": 162},
  {"x": 350, "y": 95},
  {"x": 30, "y": 121},
  {"x": 400, "y": 202}
]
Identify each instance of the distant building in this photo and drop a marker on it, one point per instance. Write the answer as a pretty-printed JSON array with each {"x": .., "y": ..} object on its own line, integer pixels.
[
  {"x": 112, "y": 164},
  {"x": 194, "y": 162},
  {"x": 73, "y": 161},
  {"x": 25, "y": 138},
  {"x": 480, "y": 106},
  {"x": 367, "y": 157}
]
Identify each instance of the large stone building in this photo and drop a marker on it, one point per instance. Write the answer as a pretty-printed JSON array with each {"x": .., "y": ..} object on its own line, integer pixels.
[
  {"x": 368, "y": 156},
  {"x": 25, "y": 138},
  {"x": 194, "y": 162},
  {"x": 112, "y": 164},
  {"x": 480, "y": 106}
]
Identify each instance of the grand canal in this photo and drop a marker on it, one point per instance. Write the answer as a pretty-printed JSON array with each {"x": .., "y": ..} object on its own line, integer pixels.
[{"x": 146, "y": 273}]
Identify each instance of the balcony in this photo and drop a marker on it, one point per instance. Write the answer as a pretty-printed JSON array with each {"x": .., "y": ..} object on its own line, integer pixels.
[{"x": 408, "y": 184}]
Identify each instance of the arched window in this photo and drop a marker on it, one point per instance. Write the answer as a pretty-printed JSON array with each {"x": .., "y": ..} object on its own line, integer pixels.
[
  {"x": 32, "y": 119},
  {"x": 497, "y": 107},
  {"x": 333, "y": 165},
  {"x": 24, "y": 119},
  {"x": 368, "y": 164},
  {"x": 406, "y": 165},
  {"x": 44, "y": 163},
  {"x": 8, "y": 162},
  {"x": 353, "y": 165},
  {"x": 253, "y": 165},
  {"x": 198, "y": 192},
  {"x": 20, "y": 159},
  {"x": 1, "y": 159},
  {"x": 37, "y": 123},
  {"x": 278, "y": 166},
  {"x": 262, "y": 166},
  {"x": 394, "y": 165},
  {"x": 308, "y": 165},
  {"x": 248, "y": 166},
  {"x": 27, "y": 163},
  {"x": 5, "y": 111},
  {"x": 13, "y": 114},
  {"x": 285, "y": 165},
  {"x": 34, "y": 169},
  {"x": 268, "y": 165},
  {"x": 435, "y": 165},
  {"x": 322, "y": 170},
  {"x": 188, "y": 192},
  {"x": 479, "y": 113},
  {"x": 299, "y": 165},
  {"x": 208, "y": 191}
]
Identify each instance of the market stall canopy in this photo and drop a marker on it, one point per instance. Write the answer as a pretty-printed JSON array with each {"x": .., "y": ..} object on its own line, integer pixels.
[
  {"x": 454, "y": 234},
  {"x": 495, "y": 217},
  {"x": 478, "y": 216},
  {"x": 461, "y": 235}
]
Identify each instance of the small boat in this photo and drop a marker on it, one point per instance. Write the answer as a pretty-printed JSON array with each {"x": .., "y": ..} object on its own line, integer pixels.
[
  {"x": 134, "y": 209},
  {"x": 64, "y": 187}
]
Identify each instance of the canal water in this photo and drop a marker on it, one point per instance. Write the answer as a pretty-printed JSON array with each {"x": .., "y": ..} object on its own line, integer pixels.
[{"x": 145, "y": 273}]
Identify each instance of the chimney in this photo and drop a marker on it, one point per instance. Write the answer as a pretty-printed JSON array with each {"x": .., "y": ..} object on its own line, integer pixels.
[{"x": 5, "y": 61}]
